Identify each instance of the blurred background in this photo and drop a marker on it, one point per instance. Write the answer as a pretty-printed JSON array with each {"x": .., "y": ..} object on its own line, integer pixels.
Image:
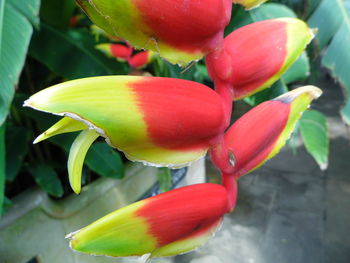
[{"x": 293, "y": 209}]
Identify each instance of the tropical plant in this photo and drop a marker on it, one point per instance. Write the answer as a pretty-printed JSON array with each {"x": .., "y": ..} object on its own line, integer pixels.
[
  {"x": 159, "y": 121},
  {"x": 85, "y": 50}
]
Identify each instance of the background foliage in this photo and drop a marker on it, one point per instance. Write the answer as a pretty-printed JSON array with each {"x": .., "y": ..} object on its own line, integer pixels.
[{"x": 39, "y": 49}]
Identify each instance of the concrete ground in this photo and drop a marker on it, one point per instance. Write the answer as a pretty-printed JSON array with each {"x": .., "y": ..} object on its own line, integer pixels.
[{"x": 289, "y": 211}]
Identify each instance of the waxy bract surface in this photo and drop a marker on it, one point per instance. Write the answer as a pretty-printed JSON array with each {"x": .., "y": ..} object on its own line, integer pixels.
[
  {"x": 180, "y": 30},
  {"x": 260, "y": 133},
  {"x": 155, "y": 120},
  {"x": 253, "y": 57},
  {"x": 167, "y": 224}
]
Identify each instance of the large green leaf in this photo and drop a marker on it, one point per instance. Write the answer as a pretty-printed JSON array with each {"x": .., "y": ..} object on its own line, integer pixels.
[
  {"x": 71, "y": 53},
  {"x": 299, "y": 71},
  {"x": 314, "y": 130},
  {"x": 164, "y": 179},
  {"x": 278, "y": 88},
  {"x": 332, "y": 18},
  {"x": 2, "y": 165},
  {"x": 46, "y": 177},
  {"x": 57, "y": 13},
  {"x": 105, "y": 161},
  {"x": 17, "y": 139},
  {"x": 15, "y": 33}
]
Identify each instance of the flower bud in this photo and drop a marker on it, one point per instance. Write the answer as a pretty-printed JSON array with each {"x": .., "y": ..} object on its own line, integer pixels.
[
  {"x": 260, "y": 133},
  {"x": 118, "y": 51},
  {"x": 142, "y": 59},
  {"x": 168, "y": 224},
  {"x": 253, "y": 57}
]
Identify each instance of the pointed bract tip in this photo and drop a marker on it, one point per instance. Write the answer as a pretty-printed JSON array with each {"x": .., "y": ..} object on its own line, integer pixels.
[
  {"x": 323, "y": 166},
  {"x": 313, "y": 91},
  {"x": 27, "y": 103},
  {"x": 313, "y": 31},
  {"x": 40, "y": 138}
]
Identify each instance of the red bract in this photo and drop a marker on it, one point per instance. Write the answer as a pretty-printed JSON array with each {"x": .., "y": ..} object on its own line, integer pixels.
[
  {"x": 118, "y": 51},
  {"x": 255, "y": 56},
  {"x": 121, "y": 51},
  {"x": 141, "y": 59},
  {"x": 179, "y": 30},
  {"x": 164, "y": 225},
  {"x": 259, "y": 135}
]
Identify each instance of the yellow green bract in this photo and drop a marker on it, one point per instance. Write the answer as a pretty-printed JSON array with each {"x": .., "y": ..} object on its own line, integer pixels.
[
  {"x": 118, "y": 234},
  {"x": 121, "y": 18},
  {"x": 249, "y": 4},
  {"x": 300, "y": 100},
  {"x": 186, "y": 244},
  {"x": 108, "y": 105}
]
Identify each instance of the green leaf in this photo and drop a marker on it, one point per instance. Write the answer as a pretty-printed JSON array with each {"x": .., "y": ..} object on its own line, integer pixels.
[
  {"x": 294, "y": 139},
  {"x": 47, "y": 178},
  {"x": 314, "y": 131},
  {"x": 15, "y": 34},
  {"x": 332, "y": 18},
  {"x": 299, "y": 71},
  {"x": 29, "y": 8},
  {"x": 57, "y": 13},
  {"x": 270, "y": 11},
  {"x": 17, "y": 139},
  {"x": 7, "y": 204},
  {"x": 2, "y": 166},
  {"x": 164, "y": 179},
  {"x": 278, "y": 88},
  {"x": 105, "y": 161},
  {"x": 72, "y": 54}
]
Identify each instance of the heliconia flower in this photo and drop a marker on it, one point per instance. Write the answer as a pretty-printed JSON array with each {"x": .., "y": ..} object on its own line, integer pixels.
[
  {"x": 179, "y": 30},
  {"x": 158, "y": 121},
  {"x": 253, "y": 57},
  {"x": 118, "y": 51},
  {"x": 249, "y": 4},
  {"x": 260, "y": 133},
  {"x": 168, "y": 224},
  {"x": 142, "y": 59}
]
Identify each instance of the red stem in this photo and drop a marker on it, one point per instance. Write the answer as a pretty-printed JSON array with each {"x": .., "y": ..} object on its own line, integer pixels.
[
  {"x": 226, "y": 93},
  {"x": 230, "y": 183}
]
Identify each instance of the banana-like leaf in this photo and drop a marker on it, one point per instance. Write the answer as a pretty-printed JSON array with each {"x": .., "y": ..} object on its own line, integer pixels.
[
  {"x": 76, "y": 44},
  {"x": 2, "y": 165},
  {"x": 332, "y": 18},
  {"x": 16, "y": 20},
  {"x": 314, "y": 130}
]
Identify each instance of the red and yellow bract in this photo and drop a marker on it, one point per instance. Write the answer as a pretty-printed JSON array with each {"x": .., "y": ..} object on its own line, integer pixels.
[
  {"x": 141, "y": 59},
  {"x": 164, "y": 225},
  {"x": 253, "y": 57},
  {"x": 118, "y": 51},
  {"x": 179, "y": 30},
  {"x": 157, "y": 121}
]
